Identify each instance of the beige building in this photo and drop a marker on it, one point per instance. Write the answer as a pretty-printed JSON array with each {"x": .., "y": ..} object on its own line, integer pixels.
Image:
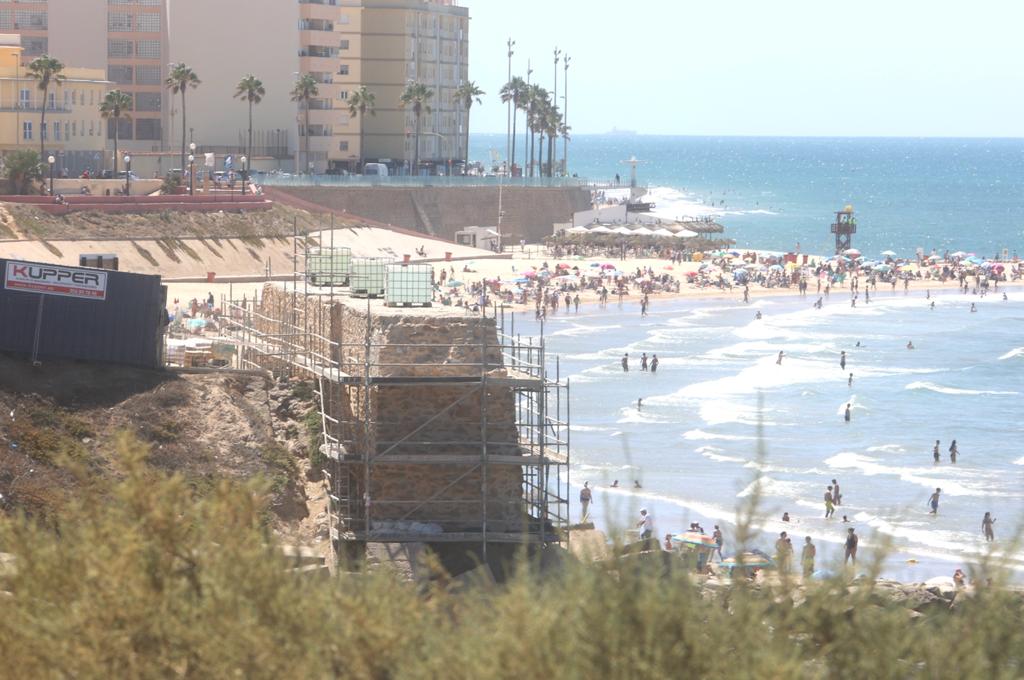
[
  {"x": 391, "y": 43},
  {"x": 73, "y": 132},
  {"x": 345, "y": 44}
]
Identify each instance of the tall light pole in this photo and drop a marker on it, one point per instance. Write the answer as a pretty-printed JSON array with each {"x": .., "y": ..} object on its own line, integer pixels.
[
  {"x": 192, "y": 169},
  {"x": 51, "y": 160},
  {"x": 508, "y": 129},
  {"x": 551, "y": 146},
  {"x": 127, "y": 175},
  {"x": 527, "y": 151},
  {"x": 245, "y": 172},
  {"x": 565, "y": 118}
]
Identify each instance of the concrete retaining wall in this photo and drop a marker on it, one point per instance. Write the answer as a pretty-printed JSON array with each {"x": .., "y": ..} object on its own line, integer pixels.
[{"x": 441, "y": 211}]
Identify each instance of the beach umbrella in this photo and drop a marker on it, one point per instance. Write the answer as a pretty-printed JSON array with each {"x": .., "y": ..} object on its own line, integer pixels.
[
  {"x": 642, "y": 231},
  {"x": 595, "y": 264},
  {"x": 734, "y": 253},
  {"x": 625, "y": 231},
  {"x": 521, "y": 279},
  {"x": 530, "y": 275},
  {"x": 754, "y": 558},
  {"x": 684, "y": 233},
  {"x": 662, "y": 231},
  {"x": 454, "y": 284},
  {"x": 959, "y": 253},
  {"x": 851, "y": 252},
  {"x": 884, "y": 268},
  {"x": 695, "y": 538},
  {"x": 775, "y": 268},
  {"x": 578, "y": 230},
  {"x": 888, "y": 253},
  {"x": 998, "y": 267},
  {"x": 600, "y": 229},
  {"x": 935, "y": 258},
  {"x": 607, "y": 266}
]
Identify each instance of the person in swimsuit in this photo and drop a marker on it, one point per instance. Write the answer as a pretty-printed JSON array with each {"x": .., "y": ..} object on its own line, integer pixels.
[
  {"x": 933, "y": 501},
  {"x": 986, "y": 526}
]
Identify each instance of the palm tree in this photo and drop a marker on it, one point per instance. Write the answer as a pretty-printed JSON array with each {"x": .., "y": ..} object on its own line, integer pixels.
[
  {"x": 563, "y": 132},
  {"x": 536, "y": 98},
  {"x": 250, "y": 88},
  {"x": 417, "y": 95},
  {"x": 360, "y": 103},
  {"x": 553, "y": 121},
  {"x": 181, "y": 79},
  {"x": 513, "y": 92},
  {"x": 115, "y": 106},
  {"x": 303, "y": 93},
  {"x": 465, "y": 95},
  {"x": 45, "y": 70},
  {"x": 22, "y": 168}
]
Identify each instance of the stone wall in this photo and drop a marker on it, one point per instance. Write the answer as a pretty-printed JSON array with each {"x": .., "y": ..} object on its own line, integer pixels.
[
  {"x": 530, "y": 212},
  {"x": 442, "y": 418}
]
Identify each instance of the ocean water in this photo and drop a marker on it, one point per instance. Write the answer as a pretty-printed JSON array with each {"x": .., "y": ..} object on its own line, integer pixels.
[
  {"x": 771, "y": 193},
  {"x": 693, "y": 443}
]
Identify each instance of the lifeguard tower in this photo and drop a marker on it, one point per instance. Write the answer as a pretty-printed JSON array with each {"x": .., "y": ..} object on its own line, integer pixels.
[{"x": 844, "y": 228}]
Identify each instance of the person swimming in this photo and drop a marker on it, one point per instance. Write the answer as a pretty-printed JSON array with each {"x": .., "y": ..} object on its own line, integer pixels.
[
  {"x": 910, "y": 344},
  {"x": 846, "y": 416},
  {"x": 973, "y": 308}
]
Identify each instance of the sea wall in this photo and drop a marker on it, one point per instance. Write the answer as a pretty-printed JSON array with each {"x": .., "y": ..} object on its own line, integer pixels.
[{"x": 530, "y": 212}]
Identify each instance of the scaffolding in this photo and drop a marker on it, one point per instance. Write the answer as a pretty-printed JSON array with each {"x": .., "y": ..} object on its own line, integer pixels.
[{"x": 435, "y": 442}]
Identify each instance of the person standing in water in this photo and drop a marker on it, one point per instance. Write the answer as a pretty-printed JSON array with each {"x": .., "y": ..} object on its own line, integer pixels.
[
  {"x": 837, "y": 498},
  {"x": 849, "y": 381},
  {"x": 846, "y": 416},
  {"x": 830, "y": 507},
  {"x": 842, "y": 360},
  {"x": 807, "y": 557},
  {"x": 585, "y": 497},
  {"x": 952, "y": 452},
  {"x": 643, "y": 361},
  {"x": 935, "y": 451},
  {"x": 778, "y": 362},
  {"x": 625, "y": 363},
  {"x": 933, "y": 501},
  {"x": 851, "y": 546},
  {"x": 654, "y": 363},
  {"x": 986, "y": 527},
  {"x": 717, "y": 535}
]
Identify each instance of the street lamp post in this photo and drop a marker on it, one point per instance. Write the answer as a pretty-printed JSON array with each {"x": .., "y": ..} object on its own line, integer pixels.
[
  {"x": 245, "y": 172},
  {"x": 565, "y": 117},
  {"x": 51, "y": 160},
  {"x": 127, "y": 175},
  {"x": 192, "y": 169}
]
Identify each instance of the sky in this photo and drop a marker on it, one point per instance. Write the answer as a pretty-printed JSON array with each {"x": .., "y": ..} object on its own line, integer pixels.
[{"x": 941, "y": 68}]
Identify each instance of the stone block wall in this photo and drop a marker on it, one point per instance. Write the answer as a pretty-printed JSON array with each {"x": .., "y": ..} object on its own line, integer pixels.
[{"x": 437, "y": 418}]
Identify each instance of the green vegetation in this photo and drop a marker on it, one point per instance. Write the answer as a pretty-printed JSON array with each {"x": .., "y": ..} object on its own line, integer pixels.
[
  {"x": 466, "y": 95},
  {"x": 416, "y": 96},
  {"x": 147, "y": 578},
  {"x": 50, "y": 434},
  {"x": 181, "y": 79},
  {"x": 22, "y": 168},
  {"x": 46, "y": 71},
  {"x": 304, "y": 92},
  {"x": 251, "y": 90},
  {"x": 115, "y": 106},
  {"x": 360, "y": 103}
]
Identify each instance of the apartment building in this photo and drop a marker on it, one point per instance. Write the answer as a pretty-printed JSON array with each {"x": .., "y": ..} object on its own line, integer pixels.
[
  {"x": 73, "y": 131},
  {"x": 386, "y": 44},
  {"x": 125, "y": 38}
]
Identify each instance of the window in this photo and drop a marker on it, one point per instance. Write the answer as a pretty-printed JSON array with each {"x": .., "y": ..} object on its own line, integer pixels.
[
  {"x": 53, "y": 101},
  {"x": 343, "y": 94},
  {"x": 343, "y": 45},
  {"x": 148, "y": 49},
  {"x": 148, "y": 22},
  {"x": 147, "y": 75},
  {"x": 34, "y": 47},
  {"x": 124, "y": 128},
  {"x": 118, "y": 73},
  {"x": 92, "y": 128},
  {"x": 56, "y": 132},
  {"x": 120, "y": 49},
  {"x": 120, "y": 22},
  {"x": 342, "y": 146},
  {"x": 67, "y": 99},
  {"x": 24, "y": 99},
  {"x": 74, "y": 97},
  {"x": 26, "y": 130},
  {"x": 147, "y": 101},
  {"x": 343, "y": 70},
  {"x": 92, "y": 97},
  {"x": 147, "y": 128},
  {"x": 67, "y": 130},
  {"x": 74, "y": 129},
  {"x": 31, "y": 20}
]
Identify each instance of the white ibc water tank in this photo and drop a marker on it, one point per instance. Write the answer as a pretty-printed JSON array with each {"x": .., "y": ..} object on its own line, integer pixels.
[
  {"x": 328, "y": 266},
  {"x": 369, "y": 275},
  {"x": 409, "y": 284}
]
